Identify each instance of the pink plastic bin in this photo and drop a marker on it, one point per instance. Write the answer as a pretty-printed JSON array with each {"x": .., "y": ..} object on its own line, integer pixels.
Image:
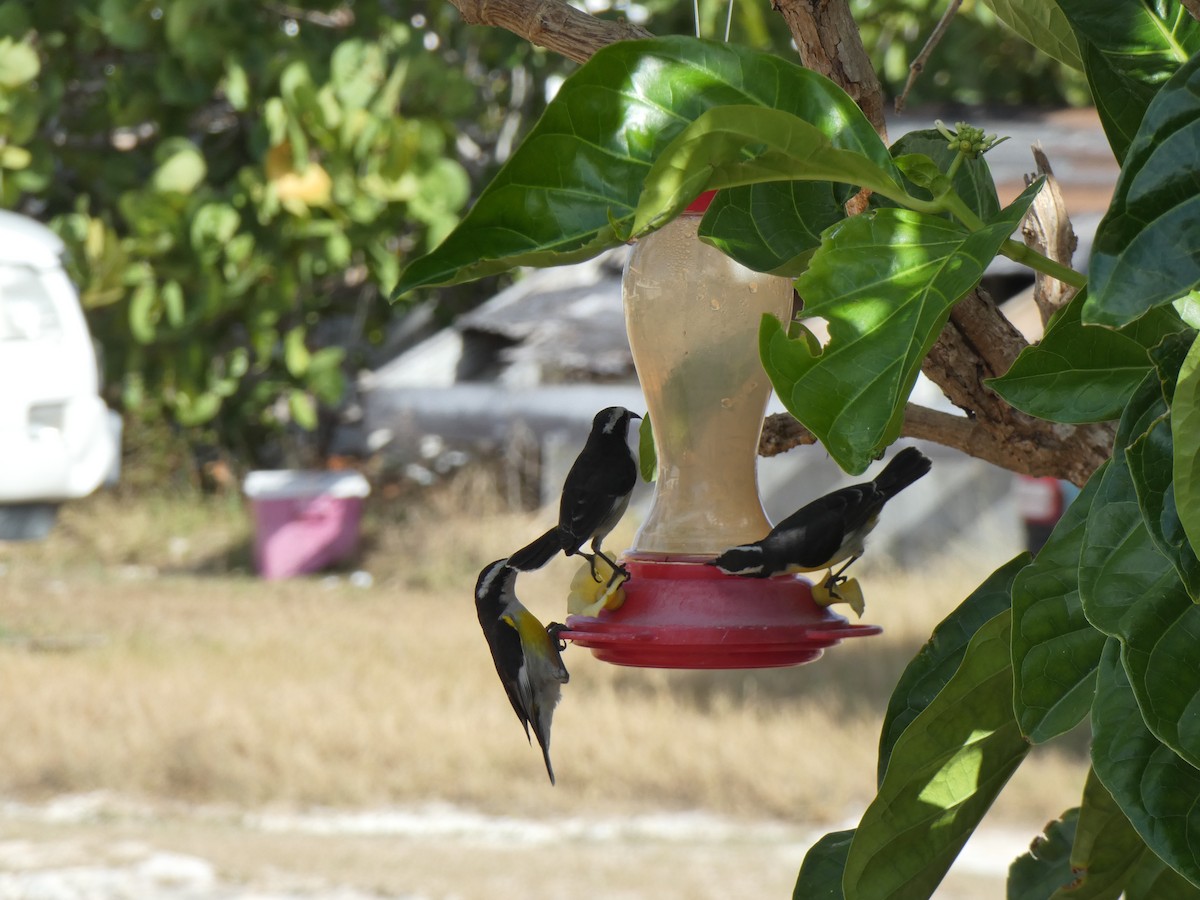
[{"x": 304, "y": 521}]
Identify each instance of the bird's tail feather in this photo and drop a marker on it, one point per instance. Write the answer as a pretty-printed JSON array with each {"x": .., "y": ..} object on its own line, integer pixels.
[
  {"x": 536, "y": 554},
  {"x": 906, "y": 467},
  {"x": 546, "y": 757}
]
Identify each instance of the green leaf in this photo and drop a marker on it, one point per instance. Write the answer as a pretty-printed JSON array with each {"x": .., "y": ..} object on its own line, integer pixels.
[
  {"x": 647, "y": 452},
  {"x": 14, "y": 158},
  {"x": 1120, "y": 100},
  {"x": 1154, "y": 787},
  {"x": 1188, "y": 308},
  {"x": 1106, "y": 847},
  {"x": 972, "y": 182},
  {"x": 1150, "y": 464},
  {"x": 144, "y": 312},
  {"x": 773, "y": 227},
  {"x": 1159, "y": 636},
  {"x": 303, "y": 409},
  {"x": 236, "y": 85},
  {"x": 1041, "y": 23},
  {"x": 1169, "y": 354},
  {"x": 935, "y": 664},
  {"x": 923, "y": 173},
  {"x": 1082, "y": 373},
  {"x": 19, "y": 63},
  {"x": 1142, "y": 256},
  {"x": 1046, "y": 867},
  {"x": 730, "y": 146},
  {"x": 213, "y": 226},
  {"x": 1146, "y": 40},
  {"x": 193, "y": 411},
  {"x": 1185, "y": 435},
  {"x": 945, "y": 771},
  {"x": 181, "y": 167},
  {"x": 358, "y": 70},
  {"x": 295, "y": 352},
  {"x": 1129, "y": 50},
  {"x": 1130, "y": 591},
  {"x": 1153, "y": 879},
  {"x": 885, "y": 282},
  {"x": 821, "y": 872},
  {"x": 1118, "y": 561},
  {"x": 570, "y": 189},
  {"x": 325, "y": 377},
  {"x": 173, "y": 303},
  {"x": 1055, "y": 649}
]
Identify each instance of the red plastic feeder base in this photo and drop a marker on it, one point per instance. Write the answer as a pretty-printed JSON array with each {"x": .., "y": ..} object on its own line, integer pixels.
[{"x": 683, "y": 614}]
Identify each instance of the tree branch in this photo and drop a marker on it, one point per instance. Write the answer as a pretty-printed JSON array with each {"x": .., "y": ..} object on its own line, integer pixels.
[
  {"x": 552, "y": 24},
  {"x": 1193, "y": 7},
  {"x": 979, "y": 343},
  {"x": 341, "y": 17},
  {"x": 917, "y": 66},
  {"x": 828, "y": 41},
  {"x": 781, "y": 432}
]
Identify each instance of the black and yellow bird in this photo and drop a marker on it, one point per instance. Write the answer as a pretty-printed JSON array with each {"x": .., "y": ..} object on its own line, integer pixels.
[
  {"x": 828, "y": 530},
  {"x": 526, "y": 654},
  {"x": 594, "y": 497}
]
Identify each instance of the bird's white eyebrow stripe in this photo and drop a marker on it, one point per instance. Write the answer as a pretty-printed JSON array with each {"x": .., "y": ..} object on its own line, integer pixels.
[{"x": 486, "y": 584}]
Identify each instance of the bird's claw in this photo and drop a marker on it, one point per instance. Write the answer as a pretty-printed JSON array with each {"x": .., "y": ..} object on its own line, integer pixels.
[
  {"x": 839, "y": 589},
  {"x": 618, "y": 571},
  {"x": 832, "y": 581},
  {"x": 555, "y": 630},
  {"x": 592, "y": 564},
  {"x": 620, "y": 575}
]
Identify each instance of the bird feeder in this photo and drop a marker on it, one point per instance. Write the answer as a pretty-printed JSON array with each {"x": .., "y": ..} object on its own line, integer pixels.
[{"x": 692, "y": 315}]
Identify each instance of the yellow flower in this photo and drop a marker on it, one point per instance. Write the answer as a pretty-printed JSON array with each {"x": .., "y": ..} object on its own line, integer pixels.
[{"x": 588, "y": 596}]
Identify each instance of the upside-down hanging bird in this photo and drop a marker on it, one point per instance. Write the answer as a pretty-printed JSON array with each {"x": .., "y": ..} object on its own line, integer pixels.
[{"x": 526, "y": 654}]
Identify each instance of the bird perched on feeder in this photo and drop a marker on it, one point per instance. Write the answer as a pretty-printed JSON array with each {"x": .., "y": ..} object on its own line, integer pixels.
[
  {"x": 526, "y": 654},
  {"x": 827, "y": 531},
  {"x": 594, "y": 496}
]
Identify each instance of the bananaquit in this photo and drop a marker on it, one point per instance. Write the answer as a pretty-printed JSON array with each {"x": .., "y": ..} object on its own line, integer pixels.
[
  {"x": 595, "y": 495},
  {"x": 526, "y": 654},
  {"x": 827, "y": 531}
]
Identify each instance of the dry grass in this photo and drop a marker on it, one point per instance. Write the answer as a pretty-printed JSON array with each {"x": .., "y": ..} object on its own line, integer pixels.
[{"x": 151, "y": 662}]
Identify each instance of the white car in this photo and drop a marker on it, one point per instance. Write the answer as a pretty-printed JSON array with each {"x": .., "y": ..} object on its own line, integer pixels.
[{"x": 58, "y": 440}]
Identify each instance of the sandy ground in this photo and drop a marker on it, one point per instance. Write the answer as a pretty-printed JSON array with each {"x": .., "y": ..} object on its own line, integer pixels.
[{"x": 99, "y": 847}]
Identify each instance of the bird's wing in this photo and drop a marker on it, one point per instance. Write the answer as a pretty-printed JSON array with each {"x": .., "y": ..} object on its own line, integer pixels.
[
  {"x": 596, "y": 485},
  {"x": 812, "y": 536},
  {"x": 585, "y": 513},
  {"x": 509, "y": 658}
]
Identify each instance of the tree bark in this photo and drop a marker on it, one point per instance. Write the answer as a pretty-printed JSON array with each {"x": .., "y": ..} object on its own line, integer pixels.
[
  {"x": 1074, "y": 458},
  {"x": 979, "y": 343},
  {"x": 552, "y": 24},
  {"x": 828, "y": 42}
]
